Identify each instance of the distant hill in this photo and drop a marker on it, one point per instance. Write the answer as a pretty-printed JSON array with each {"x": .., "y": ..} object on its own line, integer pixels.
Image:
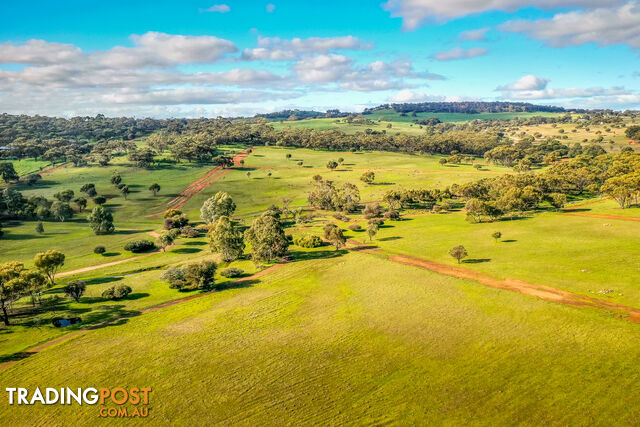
[
  {"x": 470, "y": 107},
  {"x": 293, "y": 115}
]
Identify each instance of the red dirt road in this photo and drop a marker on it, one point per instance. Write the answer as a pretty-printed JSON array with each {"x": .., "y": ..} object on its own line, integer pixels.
[
  {"x": 539, "y": 291},
  {"x": 202, "y": 183}
]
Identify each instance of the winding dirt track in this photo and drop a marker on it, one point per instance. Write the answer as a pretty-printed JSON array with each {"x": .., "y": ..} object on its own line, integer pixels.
[
  {"x": 33, "y": 350},
  {"x": 539, "y": 291},
  {"x": 200, "y": 184}
]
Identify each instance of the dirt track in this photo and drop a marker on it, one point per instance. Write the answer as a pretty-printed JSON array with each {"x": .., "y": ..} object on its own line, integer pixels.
[
  {"x": 33, "y": 350},
  {"x": 200, "y": 184},
  {"x": 603, "y": 216},
  {"x": 540, "y": 291}
]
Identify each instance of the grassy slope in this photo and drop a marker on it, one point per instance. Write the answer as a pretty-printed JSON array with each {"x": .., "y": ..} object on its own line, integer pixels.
[{"x": 352, "y": 339}]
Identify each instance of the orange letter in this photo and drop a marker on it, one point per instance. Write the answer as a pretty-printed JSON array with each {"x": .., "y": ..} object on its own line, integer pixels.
[
  {"x": 125, "y": 396},
  {"x": 104, "y": 393}
]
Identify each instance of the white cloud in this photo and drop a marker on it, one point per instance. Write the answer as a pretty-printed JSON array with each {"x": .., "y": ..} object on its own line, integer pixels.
[
  {"x": 276, "y": 49},
  {"x": 270, "y": 7},
  {"x": 529, "y": 82},
  {"x": 38, "y": 52},
  {"x": 601, "y": 26},
  {"x": 154, "y": 49},
  {"x": 530, "y": 87},
  {"x": 417, "y": 12},
  {"x": 220, "y": 8},
  {"x": 322, "y": 68},
  {"x": 406, "y": 95},
  {"x": 479, "y": 35},
  {"x": 460, "y": 53},
  {"x": 189, "y": 96}
]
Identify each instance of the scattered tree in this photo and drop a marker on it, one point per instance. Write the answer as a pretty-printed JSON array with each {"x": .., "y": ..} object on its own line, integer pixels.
[
  {"x": 49, "y": 262},
  {"x": 334, "y": 235},
  {"x": 154, "y": 188},
  {"x": 101, "y": 221},
  {"x": 225, "y": 239},
  {"x": 267, "y": 238},
  {"x": 458, "y": 252},
  {"x": 496, "y": 236},
  {"x": 75, "y": 289},
  {"x": 219, "y": 205}
]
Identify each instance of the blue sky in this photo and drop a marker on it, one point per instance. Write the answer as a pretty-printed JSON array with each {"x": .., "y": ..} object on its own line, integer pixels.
[{"x": 197, "y": 58}]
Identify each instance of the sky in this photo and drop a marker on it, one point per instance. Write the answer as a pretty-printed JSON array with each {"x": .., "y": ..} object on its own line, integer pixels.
[{"x": 230, "y": 58}]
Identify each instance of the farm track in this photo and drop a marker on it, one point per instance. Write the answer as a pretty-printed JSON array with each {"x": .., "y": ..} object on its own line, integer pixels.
[
  {"x": 200, "y": 184},
  {"x": 603, "y": 216},
  {"x": 532, "y": 289},
  {"x": 38, "y": 348}
]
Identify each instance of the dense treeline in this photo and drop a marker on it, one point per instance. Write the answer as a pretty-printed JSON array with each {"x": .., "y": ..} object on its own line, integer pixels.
[{"x": 468, "y": 107}]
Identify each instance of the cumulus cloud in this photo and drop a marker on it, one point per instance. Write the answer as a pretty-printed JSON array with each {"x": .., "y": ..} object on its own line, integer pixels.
[
  {"x": 406, "y": 95},
  {"x": 414, "y": 13},
  {"x": 529, "y": 82},
  {"x": 155, "y": 49},
  {"x": 277, "y": 49},
  {"x": 219, "y": 8},
  {"x": 530, "y": 87},
  {"x": 38, "y": 52},
  {"x": 270, "y": 7},
  {"x": 602, "y": 26},
  {"x": 460, "y": 53},
  {"x": 479, "y": 35}
]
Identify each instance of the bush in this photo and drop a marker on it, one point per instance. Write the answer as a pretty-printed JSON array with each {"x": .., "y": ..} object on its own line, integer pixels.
[
  {"x": 355, "y": 227},
  {"x": 177, "y": 221},
  {"x": 117, "y": 292},
  {"x": 189, "y": 232},
  {"x": 99, "y": 250},
  {"x": 199, "y": 275},
  {"x": 137, "y": 246},
  {"x": 307, "y": 241},
  {"x": 392, "y": 215},
  {"x": 231, "y": 272}
]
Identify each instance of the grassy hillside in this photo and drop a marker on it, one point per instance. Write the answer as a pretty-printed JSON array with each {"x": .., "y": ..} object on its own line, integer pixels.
[{"x": 336, "y": 340}]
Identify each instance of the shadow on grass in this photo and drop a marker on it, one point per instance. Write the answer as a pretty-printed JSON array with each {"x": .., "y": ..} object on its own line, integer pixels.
[
  {"x": 186, "y": 250},
  {"x": 15, "y": 356},
  {"x": 195, "y": 243},
  {"x": 324, "y": 254},
  {"x": 389, "y": 239},
  {"x": 13, "y": 236},
  {"x": 126, "y": 232},
  {"x": 508, "y": 241},
  {"x": 110, "y": 254},
  {"x": 476, "y": 260}
]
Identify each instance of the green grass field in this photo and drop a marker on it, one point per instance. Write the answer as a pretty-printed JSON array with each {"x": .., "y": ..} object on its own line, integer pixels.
[
  {"x": 334, "y": 340},
  {"x": 335, "y": 337}
]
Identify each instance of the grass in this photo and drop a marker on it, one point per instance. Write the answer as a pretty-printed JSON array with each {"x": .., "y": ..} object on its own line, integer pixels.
[
  {"x": 392, "y": 115},
  {"x": 335, "y": 337},
  {"x": 352, "y": 339},
  {"x": 28, "y": 166}
]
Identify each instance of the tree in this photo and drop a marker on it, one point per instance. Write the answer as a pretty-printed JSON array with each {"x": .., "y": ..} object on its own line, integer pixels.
[
  {"x": 334, "y": 235},
  {"x": 89, "y": 190},
  {"x": 368, "y": 177},
  {"x": 266, "y": 237},
  {"x": 1, "y": 232},
  {"x": 116, "y": 178},
  {"x": 117, "y": 292},
  {"x": 99, "y": 200},
  {"x": 49, "y": 262},
  {"x": 125, "y": 191},
  {"x": 75, "y": 289},
  {"x": 372, "y": 229},
  {"x": 164, "y": 240},
  {"x": 101, "y": 221},
  {"x": 200, "y": 275},
  {"x": 39, "y": 228},
  {"x": 496, "y": 236},
  {"x": 458, "y": 252},
  {"x": 64, "y": 196},
  {"x": 11, "y": 289},
  {"x": 225, "y": 239},
  {"x": 633, "y": 132},
  {"x": 81, "y": 202},
  {"x": 215, "y": 207},
  {"x": 558, "y": 200},
  {"x": 34, "y": 283},
  {"x": 61, "y": 210},
  {"x": 442, "y": 161},
  {"x": 372, "y": 210},
  {"x": 8, "y": 173},
  {"x": 154, "y": 188},
  {"x": 332, "y": 164}
]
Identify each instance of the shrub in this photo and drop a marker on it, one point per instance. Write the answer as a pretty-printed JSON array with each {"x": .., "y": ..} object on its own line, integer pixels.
[
  {"x": 307, "y": 241},
  {"x": 137, "y": 246},
  {"x": 117, "y": 292},
  {"x": 199, "y": 275},
  {"x": 177, "y": 221},
  {"x": 231, "y": 272},
  {"x": 392, "y": 215},
  {"x": 355, "y": 227},
  {"x": 170, "y": 213},
  {"x": 189, "y": 232},
  {"x": 99, "y": 250}
]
